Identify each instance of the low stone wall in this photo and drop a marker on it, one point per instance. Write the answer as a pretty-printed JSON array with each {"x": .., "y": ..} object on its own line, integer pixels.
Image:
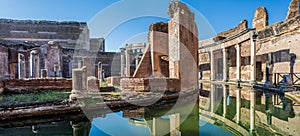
[
  {"x": 150, "y": 84},
  {"x": 37, "y": 84},
  {"x": 114, "y": 80}
]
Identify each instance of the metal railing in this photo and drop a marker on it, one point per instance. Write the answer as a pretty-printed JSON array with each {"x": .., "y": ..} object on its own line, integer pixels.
[{"x": 293, "y": 78}]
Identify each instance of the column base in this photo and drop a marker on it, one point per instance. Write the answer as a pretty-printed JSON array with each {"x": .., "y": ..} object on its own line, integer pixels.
[{"x": 252, "y": 82}]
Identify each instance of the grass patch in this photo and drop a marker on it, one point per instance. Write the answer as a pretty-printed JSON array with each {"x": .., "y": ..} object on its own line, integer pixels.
[
  {"x": 33, "y": 97},
  {"x": 103, "y": 84},
  {"x": 117, "y": 87}
]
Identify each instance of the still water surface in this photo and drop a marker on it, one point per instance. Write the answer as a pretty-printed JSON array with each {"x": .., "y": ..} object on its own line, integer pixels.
[{"x": 221, "y": 110}]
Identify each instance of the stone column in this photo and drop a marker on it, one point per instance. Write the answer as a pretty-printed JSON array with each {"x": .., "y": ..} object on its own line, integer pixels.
[
  {"x": 253, "y": 58},
  {"x": 21, "y": 66},
  {"x": 103, "y": 75},
  {"x": 44, "y": 73},
  {"x": 225, "y": 67},
  {"x": 238, "y": 62},
  {"x": 77, "y": 84},
  {"x": 84, "y": 78},
  {"x": 212, "y": 66},
  {"x": 80, "y": 63},
  {"x": 128, "y": 62},
  {"x": 56, "y": 70},
  {"x": 174, "y": 124},
  {"x": 212, "y": 98},
  {"x": 154, "y": 129},
  {"x": 100, "y": 71},
  {"x": 136, "y": 61},
  {"x": 238, "y": 104},
  {"x": 123, "y": 61},
  {"x": 225, "y": 100},
  {"x": 268, "y": 69},
  {"x": 252, "y": 109},
  {"x": 34, "y": 64}
]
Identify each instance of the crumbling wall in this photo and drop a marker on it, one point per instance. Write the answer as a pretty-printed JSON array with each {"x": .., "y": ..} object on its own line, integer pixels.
[
  {"x": 41, "y": 32},
  {"x": 282, "y": 40},
  {"x": 183, "y": 45},
  {"x": 37, "y": 84},
  {"x": 261, "y": 18},
  {"x": 52, "y": 56},
  {"x": 3, "y": 62},
  {"x": 159, "y": 42},
  {"x": 242, "y": 26},
  {"x": 143, "y": 70},
  {"x": 293, "y": 9},
  {"x": 114, "y": 81},
  {"x": 150, "y": 84}
]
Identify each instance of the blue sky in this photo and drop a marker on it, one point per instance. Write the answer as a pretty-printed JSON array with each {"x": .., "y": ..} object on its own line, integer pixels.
[{"x": 136, "y": 15}]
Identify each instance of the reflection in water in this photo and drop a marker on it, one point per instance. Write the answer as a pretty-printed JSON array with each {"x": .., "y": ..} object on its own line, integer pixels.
[
  {"x": 249, "y": 111},
  {"x": 222, "y": 110}
]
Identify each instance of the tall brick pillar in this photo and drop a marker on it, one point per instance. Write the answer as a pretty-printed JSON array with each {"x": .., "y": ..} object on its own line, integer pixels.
[{"x": 183, "y": 45}]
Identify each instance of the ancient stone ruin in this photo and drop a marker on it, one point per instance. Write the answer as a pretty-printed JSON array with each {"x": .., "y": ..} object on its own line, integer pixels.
[
  {"x": 293, "y": 9},
  {"x": 169, "y": 61},
  {"x": 260, "y": 20},
  {"x": 264, "y": 53}
]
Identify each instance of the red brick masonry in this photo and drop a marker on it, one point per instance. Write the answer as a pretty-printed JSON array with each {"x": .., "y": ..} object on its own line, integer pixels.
[
  {"x": 150, "y": 84},
  {"x": 37, "y": 84}
]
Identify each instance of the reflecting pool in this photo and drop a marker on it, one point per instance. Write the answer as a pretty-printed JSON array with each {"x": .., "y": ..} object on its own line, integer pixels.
[{"x": 221, "y": 110}]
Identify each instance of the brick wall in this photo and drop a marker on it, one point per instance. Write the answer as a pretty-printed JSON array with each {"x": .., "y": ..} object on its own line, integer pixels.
[
  {"x": 38, "y": 84},
  {"x": 143, "y": 69},
  {"x": 148, "y": 84},
  {"x": 3, "y": 62},
  {"x": 115, "y": 80}
]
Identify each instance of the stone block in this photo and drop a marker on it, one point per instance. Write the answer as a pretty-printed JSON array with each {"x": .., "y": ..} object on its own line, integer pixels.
[
  {"x": 93, "y": 84},
  {"x": 114, "y": 81}
]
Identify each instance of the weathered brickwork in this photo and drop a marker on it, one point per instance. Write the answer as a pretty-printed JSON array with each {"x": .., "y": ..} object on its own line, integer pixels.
[
  {"x": 183, "y": 43},
  {"x": 293, "y": 9},
  {"x": 150, "y": 84},
  {"x": 68, "y": 34},
  {"x": 276, "y": 45},
  {"x": 242, "y": 26},
  {"x": 159, "y": 40},
  {"x": 143, "y": 69},
  {"x": 260, "y": 20},
  {"x": 170, "y": 60},
  {"x": 3, "y": 62},
  {"x": 38, "y": 84},
  {"x": 114, "y": 81}
]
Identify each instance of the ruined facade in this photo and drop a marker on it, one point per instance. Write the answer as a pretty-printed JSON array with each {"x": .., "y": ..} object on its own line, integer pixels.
[
  {"x": 33, "y": 49},
  {"x": 169, "y": 61},
  {"x": 246, "y": 54},
  {"x": 130, "y": 58}
]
